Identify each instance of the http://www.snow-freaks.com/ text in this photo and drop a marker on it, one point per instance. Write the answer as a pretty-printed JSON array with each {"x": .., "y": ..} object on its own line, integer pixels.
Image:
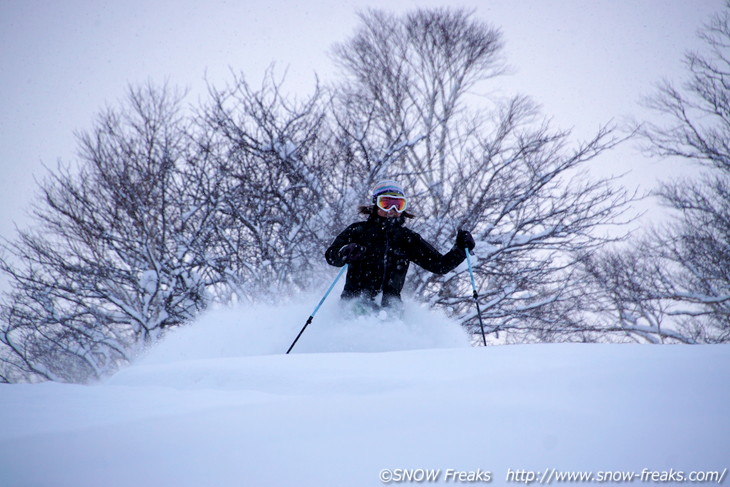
[{"x": 549, "y": 476}]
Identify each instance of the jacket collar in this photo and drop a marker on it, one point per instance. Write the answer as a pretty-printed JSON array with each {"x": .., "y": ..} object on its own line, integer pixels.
[{"x": 386, "y": 223}]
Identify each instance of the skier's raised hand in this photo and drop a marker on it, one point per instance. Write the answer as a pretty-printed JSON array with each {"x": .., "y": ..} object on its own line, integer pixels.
[{"x": 464, "y": 240}]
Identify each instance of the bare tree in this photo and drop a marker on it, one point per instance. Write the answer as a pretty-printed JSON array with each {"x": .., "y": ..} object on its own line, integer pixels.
[
  {"x": 118, "y": 251},
  {"x": 168, "y": 212},
  {"x": 672, "y": 284},
  {"x": 628, "y": 297},
  {"x": 271, "y": 161},
  {"x": 408, "y": 109},
  {"x": 696, "y": 246}
]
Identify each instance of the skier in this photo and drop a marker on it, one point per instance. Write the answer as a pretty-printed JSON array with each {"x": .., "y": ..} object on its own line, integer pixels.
[{"x": 379, "y": 250}]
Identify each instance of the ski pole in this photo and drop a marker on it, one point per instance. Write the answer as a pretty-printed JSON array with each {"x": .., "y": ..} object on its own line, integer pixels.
[
  {"x": 476, "y": 295},
  {"x": 311, "y": 317}
]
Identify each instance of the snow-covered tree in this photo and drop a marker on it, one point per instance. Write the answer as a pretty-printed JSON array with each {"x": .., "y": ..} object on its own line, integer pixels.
[
  {"x": 673, "y": 284},
  {"x": 697, "y": 128},
  {"x": 626, "y": 297},
  {"x": 410, "y": 107},
  {"x": 117, "y": 253},
  {"x": 270, "y": 163}
]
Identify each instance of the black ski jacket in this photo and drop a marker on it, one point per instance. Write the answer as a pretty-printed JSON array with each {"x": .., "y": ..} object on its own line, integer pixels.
[{"x": 388, "y": 249}]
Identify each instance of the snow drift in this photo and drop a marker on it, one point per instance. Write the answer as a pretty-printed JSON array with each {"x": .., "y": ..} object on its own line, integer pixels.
[{"x": 362, "y": 401}]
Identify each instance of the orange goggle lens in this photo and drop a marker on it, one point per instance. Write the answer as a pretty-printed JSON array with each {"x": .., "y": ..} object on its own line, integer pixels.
[{"x": 386, "y": 202}]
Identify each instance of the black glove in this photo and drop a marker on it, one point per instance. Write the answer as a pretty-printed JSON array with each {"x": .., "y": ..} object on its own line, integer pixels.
[
  {"x": 464, "y": 240},
  {"x": 352, "y": 252}
]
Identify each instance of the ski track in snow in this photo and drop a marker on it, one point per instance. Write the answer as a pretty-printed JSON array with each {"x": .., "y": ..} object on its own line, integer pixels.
[{"x": 218, "y": 403}]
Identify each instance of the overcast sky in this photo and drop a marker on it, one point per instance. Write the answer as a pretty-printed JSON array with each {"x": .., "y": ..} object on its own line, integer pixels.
[{"x": 585, "y": 61}]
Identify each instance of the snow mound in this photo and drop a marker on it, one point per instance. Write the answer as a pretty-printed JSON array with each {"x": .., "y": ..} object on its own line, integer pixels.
[
  {"x": 266, "y": 329},
  {"x": 331, "y": 419}
]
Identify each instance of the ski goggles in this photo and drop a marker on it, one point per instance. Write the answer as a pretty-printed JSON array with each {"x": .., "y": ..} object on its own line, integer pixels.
[{"x": 386, "y": 202}]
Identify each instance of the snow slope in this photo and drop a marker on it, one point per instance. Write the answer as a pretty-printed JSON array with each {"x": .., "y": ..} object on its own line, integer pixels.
[{"x": 219, "y": 404}]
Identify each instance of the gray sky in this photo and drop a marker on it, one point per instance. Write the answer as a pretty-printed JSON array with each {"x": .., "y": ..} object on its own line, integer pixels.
[{"x": 61, "y": 62}]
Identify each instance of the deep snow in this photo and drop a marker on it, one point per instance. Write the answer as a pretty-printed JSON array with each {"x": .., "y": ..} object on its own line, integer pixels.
[{"x": 219, "y": 404}]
